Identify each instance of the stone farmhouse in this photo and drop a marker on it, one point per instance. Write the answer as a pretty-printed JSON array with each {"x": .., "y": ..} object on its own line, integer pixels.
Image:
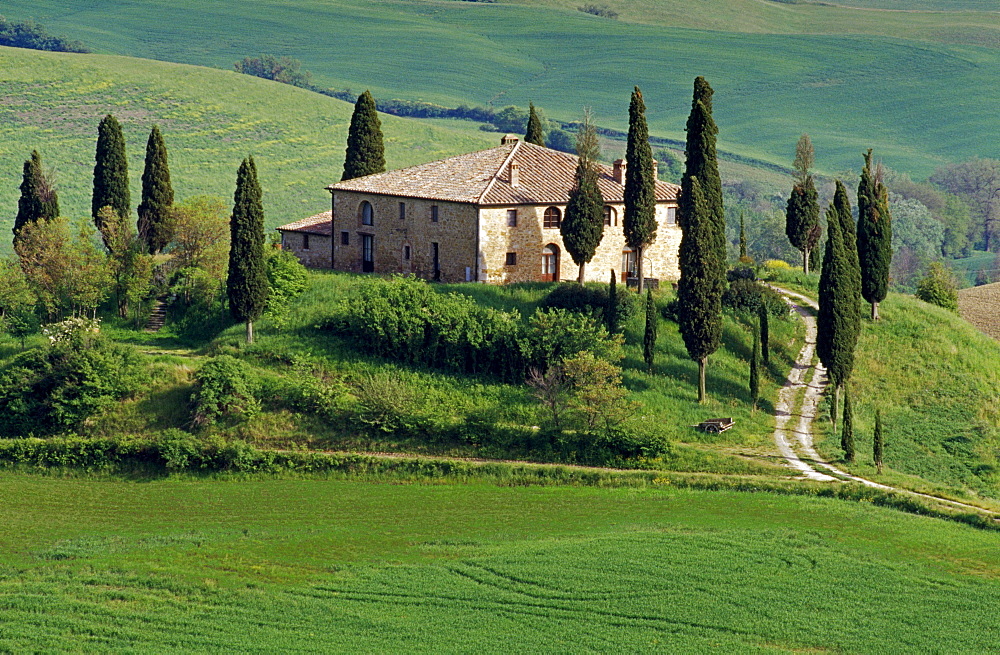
[{"x": 488, "y": 216}]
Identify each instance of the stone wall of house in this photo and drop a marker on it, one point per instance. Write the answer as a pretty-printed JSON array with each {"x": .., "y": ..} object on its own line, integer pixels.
[
  {"x": 317, "y": 255},
  {"x": 527, "y": 240},
  {"x": 406, "y": 244}
]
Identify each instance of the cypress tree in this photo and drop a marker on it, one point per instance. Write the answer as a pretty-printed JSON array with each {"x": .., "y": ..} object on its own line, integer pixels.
[
  {"x": 649, "y": 337},
  {"x": 157, "y": 195},
  {"x": 582, "y": 226},
  {"x": 765, "y": 333},
  {"x": 247, "y": 285},
  {"x": 639, "y": 221},
  {"x": 755, "y": 372},
  {"x": 534, "y": 133},
  {"x": 802, "y": 217},
  {"x": 110, "y": 171},
  {"x": 703, "y": 243},
  {"x": 744, "y": 258},
  {"x": 365, "y": 152},
  {"x": 38, "y": 198},
  {"x": 611, "y": 311},
  {"x": 878, "y": 443},
  {"x": 847, "y": 434},
  {"x": 874, "y": 236}
]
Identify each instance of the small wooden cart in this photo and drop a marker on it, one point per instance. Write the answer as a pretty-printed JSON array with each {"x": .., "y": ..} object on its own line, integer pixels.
[{"x": 716, "y": 425}]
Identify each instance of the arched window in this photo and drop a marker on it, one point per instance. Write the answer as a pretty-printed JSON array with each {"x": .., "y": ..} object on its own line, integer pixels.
[
  {"x": 610, "y": 215},
  {"x": 367, "y": 213},
  {"x": 552, "y": 217}
]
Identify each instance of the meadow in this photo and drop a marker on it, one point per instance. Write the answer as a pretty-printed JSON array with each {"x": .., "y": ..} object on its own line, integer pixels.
[
  {"x": 779, "y": 69},
  {"x": 366, "y": 566}
]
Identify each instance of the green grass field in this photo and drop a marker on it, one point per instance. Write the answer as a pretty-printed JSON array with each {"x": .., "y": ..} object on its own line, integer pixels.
[
  {"x": 210, "y": 120},
  {"x": 327, "y": 565},
  {"x": 848, "y": 78}
]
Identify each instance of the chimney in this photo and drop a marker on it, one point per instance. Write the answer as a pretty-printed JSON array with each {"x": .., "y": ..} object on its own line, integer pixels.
[
  {"x": 515, "y": 173},
  {"x": 508, "y": 139},
  {"x": 619, "y": 173}
]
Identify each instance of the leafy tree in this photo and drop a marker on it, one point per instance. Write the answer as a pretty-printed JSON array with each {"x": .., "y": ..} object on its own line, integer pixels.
[
  {"x": 157, "y": 195},
  {"x": 131, "y": 268},
  {"x": 703, "y": 245},
  {"x": 110, "y": 171},
  {"x": 534, "y": 132},
  {"x": 874, "y": 236},
  {"x": 847, "y": 433},
  {"x": 17, "y": 301},
  {"x": 38, "y": 196},
  {"x": 755, "y": 371},
  {"x": 280, "y": 69},
  {"x": 560, "y": 140},
  {"x": 287, "y": 279},
  {"x": 649, "y": 336},
  {"x": 582, "y": 227},
  {"x": 246, "y": 284},
  {"x": 802, "y": 217},
  {"x": 89, "y": 282},
  {"x": 938, "y": 287},
  {"x": 976, "y": 182},
  {"x": 597, "y": 392},
  {"x": 365, "y": 152},
  {"x": 639, "y": 220},
  {"x": 226, "y": 390},
  {"x": 43, "y": 251},
  {"x": 839, "y": 319},
  {"x": 611, "y": 310},
  {"x": 765, "y": 332},
  {"x": 805, "y": 157},
  {"x": 878, "y": 442}
]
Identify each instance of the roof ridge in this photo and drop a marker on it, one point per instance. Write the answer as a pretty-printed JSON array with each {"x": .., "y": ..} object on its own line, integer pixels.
[{"x": 493, "y": 179}]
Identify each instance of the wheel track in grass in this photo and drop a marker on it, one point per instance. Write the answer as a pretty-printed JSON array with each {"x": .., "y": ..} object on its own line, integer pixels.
[{"x": 805, "y": 405}]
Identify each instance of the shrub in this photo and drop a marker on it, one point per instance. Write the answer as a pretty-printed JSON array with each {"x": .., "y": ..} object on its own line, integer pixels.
[
  {"x": 287, "y": 279},
  {"x": 599, "y": 10},
  {"x": 938, "y": 287},
  {"x": 741, "y": 273},
  {"x": 226, "y": 389},
  {"x": 749, "y": 295},
  {"x": 591, "y": 299},
  {"x": 776, "y": 264}
]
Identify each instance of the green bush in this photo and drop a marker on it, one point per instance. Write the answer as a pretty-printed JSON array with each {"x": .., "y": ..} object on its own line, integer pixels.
[
  {"x": 746, "y": 295},
  {"x": 939, "y": 287},
  {"x": 226, "y": 390},
  {"x": 591, "y": 299}
]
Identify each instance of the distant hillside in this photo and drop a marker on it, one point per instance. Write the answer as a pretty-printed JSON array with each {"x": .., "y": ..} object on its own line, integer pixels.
[
  {"x": 210, "y": 120},
  {"x": 981, "y": 307},
  {"x": 848, "y": 76}
]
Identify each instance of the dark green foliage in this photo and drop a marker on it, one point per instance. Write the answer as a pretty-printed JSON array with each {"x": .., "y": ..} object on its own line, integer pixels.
[
  {"x": 743, "y": 241},
  {"x": 534, "y": 132},
  {"x": 226, "y": 390},
  {"x": 878, "y": 441},
  {"x": 938, "y": 287},
  {"x": 839, "y": 319},
  {"x": 765, "y": 331},
  {"x": 874, "y": 236},
  {"x": 560, "y": 140},
  {"x": 38, "y": 198},
  {"x": 110, "y": 171},
  {"x": 755, "y": 370},
  {"x": 592, "y": 298},
  {"x": 407, "y": 320},
  {"x": 649, "y": 336},
  {"x": 287, "y": 278},
  {"x": 611, "y": 308},
  {"x": 246, "y": 285},
  {"x": 802, "y": 217},
  {"x": 279, "y": 69},
  {"x": 157, "y": 195},
  {"x": 751, "y": 297},
  {"x": 57, "y": 388},
  {"x": 29, "y": 34},
  {"x": 639, "y": 220},
  {"x": 847, "y": 431},
  {"x": 365, "y": 152},
  {"x": 582, "y": 226}
]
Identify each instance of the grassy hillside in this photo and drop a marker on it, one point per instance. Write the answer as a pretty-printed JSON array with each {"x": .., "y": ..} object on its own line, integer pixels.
[
  {"x": 324, "y": 565},
  {"x": 817, "y": 74},
  {"x": 210, "y": 120}
]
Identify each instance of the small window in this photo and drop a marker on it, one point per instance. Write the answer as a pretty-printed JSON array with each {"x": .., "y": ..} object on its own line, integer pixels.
[
  {"x": 406, "y": 253},
  {"x": 511, "y": 218},
  {"x": 305, "y": 242},
  {"x": 511, "y": 259},
  {"x": 345, "y": 238},
  {"x": 402, "y": 211},
  {"x": 671, "y": 216},
  {"x": 434, "y": 213},
  {"x": 552, "y": 217},
  {"x": 610, "y": 215},
  {"x": 367, "y": 213}
]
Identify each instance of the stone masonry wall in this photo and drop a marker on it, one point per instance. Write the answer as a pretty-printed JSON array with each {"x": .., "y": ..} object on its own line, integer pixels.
[
  {"x": 318, "y": 254},
  {"x": 454, "y": 232}
]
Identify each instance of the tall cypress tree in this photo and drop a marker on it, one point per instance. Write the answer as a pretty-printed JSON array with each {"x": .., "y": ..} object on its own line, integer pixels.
[
  {"x": 847, "y": 434},
  {"x": 649, "y": 336},
  {"x": 765, "y": 333},
  {"x": 157, "y": 195},
  {"x": 874, "y": 236},
  {"x": 38, "y": 197},
  {"x": 755, "y": 372},
  {"x": 878, "y": 443},
  {"x": 247, "y": 285},
  {"x": 744, "y": 257},
  {"x": 639, "y": 221},
  {"x": 582, "y": 226},
  {"x": 839, "y": 318},
  {"x": 365, "y": 152},
  {"x": 703, "y": 242},
  {"x": 802, "y": 217},
  {"x": 110, "y": 171},
  {"x": 611, "y": 311},
  {"x": 534, "y": 134}
]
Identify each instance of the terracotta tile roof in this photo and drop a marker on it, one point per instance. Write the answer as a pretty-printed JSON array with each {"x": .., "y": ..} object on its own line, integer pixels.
[
  {"x": 483, "y": 178},
  {"x": 318, "y": 224}
]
